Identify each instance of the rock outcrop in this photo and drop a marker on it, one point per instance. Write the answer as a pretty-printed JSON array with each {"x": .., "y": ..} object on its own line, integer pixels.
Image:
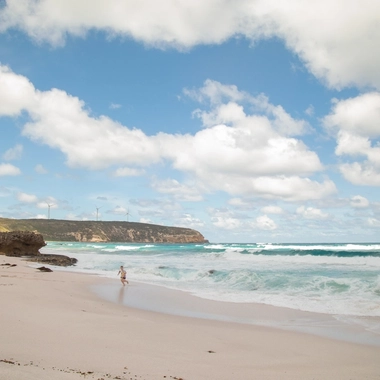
[
  {"x": 95, "y": 231},
  {"x": 27, "y": 244},
  {"x": 21, "y": 243},
  {"x": 58, "y": 260}
]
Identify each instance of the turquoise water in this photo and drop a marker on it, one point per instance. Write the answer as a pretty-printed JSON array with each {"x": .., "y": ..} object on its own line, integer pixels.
[{"x": 339, "y": 279}]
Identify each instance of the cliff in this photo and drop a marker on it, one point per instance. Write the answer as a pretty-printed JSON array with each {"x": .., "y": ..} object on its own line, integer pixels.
[{"x": 95, "y": 231}]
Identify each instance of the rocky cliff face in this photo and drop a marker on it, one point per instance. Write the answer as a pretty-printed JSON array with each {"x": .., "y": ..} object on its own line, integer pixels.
[
  {"x": 27, "y": 244},
  {"x": 127, "y": 232}
]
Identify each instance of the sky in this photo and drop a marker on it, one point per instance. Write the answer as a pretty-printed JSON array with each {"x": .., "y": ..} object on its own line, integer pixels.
[{"x": 247, "y": 120}]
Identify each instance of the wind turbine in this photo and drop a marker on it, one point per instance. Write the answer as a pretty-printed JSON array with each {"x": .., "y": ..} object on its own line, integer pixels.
[
  {"x": 49, "y": 205},
  {"x": 127, "y": 214},
  {"x": 97, "y": 212}
]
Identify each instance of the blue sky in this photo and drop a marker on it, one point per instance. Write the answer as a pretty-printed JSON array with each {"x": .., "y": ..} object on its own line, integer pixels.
[{"x": 249, "y": 121}]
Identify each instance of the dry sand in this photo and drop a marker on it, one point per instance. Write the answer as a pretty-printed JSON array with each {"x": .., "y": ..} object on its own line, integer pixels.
[{"x": 53, "y": 326}]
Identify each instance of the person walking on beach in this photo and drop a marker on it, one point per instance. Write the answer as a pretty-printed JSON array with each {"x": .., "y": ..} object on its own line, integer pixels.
[{"x": 123, "y": 275}]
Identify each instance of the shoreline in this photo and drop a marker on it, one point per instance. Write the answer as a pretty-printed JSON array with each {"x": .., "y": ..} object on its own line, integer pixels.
[
  {"x": 54, "y": 325},
  {"x": 154, "y": 298}
]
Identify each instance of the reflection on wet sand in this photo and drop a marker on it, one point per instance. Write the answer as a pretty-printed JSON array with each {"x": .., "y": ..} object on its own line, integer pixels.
[{"x": 122, "y": 293}]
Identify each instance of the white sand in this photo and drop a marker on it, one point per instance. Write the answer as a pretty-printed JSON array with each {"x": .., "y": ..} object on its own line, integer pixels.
[{"x": 52, "y": 326}]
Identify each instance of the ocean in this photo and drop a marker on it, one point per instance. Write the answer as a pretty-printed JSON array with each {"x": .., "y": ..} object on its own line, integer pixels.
[{"x": 336, "y": 279}]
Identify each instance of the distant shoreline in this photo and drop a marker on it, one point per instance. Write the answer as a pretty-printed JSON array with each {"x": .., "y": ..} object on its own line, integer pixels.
[{"x": 99, "y": 231}]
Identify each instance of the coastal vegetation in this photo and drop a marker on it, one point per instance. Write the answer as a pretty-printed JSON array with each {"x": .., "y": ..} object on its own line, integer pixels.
[{"x": 102, "y": 231}]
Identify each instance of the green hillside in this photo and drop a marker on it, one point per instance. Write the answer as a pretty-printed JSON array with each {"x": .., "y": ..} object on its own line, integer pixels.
[{"x": 96, "y": 231}]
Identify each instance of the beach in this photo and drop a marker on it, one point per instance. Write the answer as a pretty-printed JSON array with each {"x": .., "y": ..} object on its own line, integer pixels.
[{"x": 56, "y": 325}]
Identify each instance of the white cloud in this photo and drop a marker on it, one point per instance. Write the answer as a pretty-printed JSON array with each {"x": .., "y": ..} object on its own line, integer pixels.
[
  {"x": 226, "y": 108},
  {"x": 120, "y": 210},
  {"x": 310, "y": 110},
  {"x": 46, "y": 204},
  {"x": 356, "y": 123},
  {"x": 338, "y": 41},
  {"x": 181, "y": 24},
  {"x": 280, "y": 187},
  {"x": 272, "y": 210},
  {"x": 226, "y": 223},
  {"x": 16, "y": 92},
  {"x": 177, "y": 190},
  {"x": 128, "y": 172},
  {"x": 14, "y": 153},
  {"x": 359, "y": 115},
  {"x": 27, "y": 198},
  {"x": 361, "y": 174},
  {"x": 254, "y": 154},
  {"x": 263, "y": 222},
  {"x": 359, "y": 202},
  {"x": 114, "y": 106},
  {"x": 40, "y": 216},
  {"x": 60, "y": 121},
  {"x": 224, "y": 219},
  {"x": 311, "y": 213},
  {"x": 241, "y": 204},
  {"x": 189, "y": 221},
  {"x": 373, "y": 222},
  {"x": 8, "y": 169},
  {"x": 40, "y": 169}
]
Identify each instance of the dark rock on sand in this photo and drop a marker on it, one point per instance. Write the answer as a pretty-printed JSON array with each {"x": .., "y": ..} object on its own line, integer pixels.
[
  {"x": 58, "y": 260},
  {"x": 27, "y": 244},
  {"x": 44, "y": 269}
]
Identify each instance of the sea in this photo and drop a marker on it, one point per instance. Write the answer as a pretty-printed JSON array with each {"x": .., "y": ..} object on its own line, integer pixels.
[{"x": 336, "y": 279}]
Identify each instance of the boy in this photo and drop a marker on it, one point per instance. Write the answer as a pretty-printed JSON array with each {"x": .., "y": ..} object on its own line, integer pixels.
[{"x": 123, "y": 275}]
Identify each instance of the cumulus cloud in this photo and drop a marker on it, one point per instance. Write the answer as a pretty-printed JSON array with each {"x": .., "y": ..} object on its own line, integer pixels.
[
  {"x": 359, "y": 115},
  {"x": 290, "y": 188},
  {"x": 61, "y": 121},
  {"x": 263, "y": 222},
  {"x": 189, "y": 221},
  {"x": 272, "y": 210},
  {"x": 240, "y": 153},
  {"x": 27, "y": 198},
  {"x": 359, "y": 202},
  {"x": 361, "y": 173},
  {"x": 8, "y": 169},
  {"x": 48, "y": 203},
  {"x": 241, "y": 204},
  {"x": 356, "y": 124},
  {"x": 177, "y": 190},
  {"x": 16, "y": 92},
  {"x": 338, "y": 41},
  {"x": 226, "y": 222},
  {"x": 311, "y": 213},
  {"x": 226, "y": 108}
]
